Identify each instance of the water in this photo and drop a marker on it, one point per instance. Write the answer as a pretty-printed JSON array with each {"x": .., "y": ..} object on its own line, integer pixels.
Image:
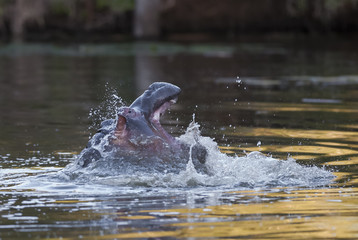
[{"x": 279, "y": 119}]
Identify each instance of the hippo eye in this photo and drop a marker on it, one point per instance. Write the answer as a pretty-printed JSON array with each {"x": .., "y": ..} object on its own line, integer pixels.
[{"x": 130, "y": 111}]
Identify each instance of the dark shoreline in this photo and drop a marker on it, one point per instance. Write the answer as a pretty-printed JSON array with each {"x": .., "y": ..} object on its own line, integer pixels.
[
  {"x": 186, "y": 38},
  {"x": 185, "y": 20}
]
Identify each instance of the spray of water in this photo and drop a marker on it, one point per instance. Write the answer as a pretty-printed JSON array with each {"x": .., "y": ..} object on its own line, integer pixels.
[
  {"x": 250, "y": 171},
  {"x": 253, "y": 170},
  {"x": 106, "y": 109}
]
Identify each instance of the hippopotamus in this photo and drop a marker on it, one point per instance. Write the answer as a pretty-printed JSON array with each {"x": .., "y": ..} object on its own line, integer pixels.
[{"x": 136, "y": 136}]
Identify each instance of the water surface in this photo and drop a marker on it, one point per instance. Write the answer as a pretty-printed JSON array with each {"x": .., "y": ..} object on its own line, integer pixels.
[{"x": 283, "y": 115}]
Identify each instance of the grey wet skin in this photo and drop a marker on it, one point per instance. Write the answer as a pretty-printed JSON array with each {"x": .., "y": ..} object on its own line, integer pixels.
[
  {"x": 156, "y": 95},
  {"x": 136, "y": 133}
]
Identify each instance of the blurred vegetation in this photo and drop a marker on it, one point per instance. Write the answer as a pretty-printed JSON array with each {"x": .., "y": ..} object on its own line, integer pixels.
[
  {"x": 114, "y": 19},
  {"x": 116, "y": 5}
]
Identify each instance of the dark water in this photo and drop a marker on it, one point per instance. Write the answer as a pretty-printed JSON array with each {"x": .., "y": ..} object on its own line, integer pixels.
[{"x": 294, "y": 101}]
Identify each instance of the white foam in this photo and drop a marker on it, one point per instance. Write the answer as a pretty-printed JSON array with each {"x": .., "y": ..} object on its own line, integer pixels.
[{"x": 253, "y": 170}]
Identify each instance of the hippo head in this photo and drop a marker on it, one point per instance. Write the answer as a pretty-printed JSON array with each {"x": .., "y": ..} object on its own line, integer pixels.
[
  {"x": 137, "y": 137},
  {"x": 139, "y": 124}
]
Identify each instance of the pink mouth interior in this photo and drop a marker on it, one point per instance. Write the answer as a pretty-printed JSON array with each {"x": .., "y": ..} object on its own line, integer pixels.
[{"x": 155, "y": 120}]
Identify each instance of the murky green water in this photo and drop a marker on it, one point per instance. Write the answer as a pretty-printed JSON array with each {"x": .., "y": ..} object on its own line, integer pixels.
[{"x": 285, "y": 99}]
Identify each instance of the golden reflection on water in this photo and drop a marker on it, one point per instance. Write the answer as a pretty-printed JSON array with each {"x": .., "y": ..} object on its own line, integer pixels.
[
  {"x": 323, "y": 143},
  {"x": 350, "y": 126},
  {"x": 296, "y": 150},
  {"x": 278, "y": 214},
  {"x": 297, "y": 214},
  {"x": 299, "y": 133},
  {"x": 295, "y": 107},
  {"x": 334, "y": 148},
  {"x": 350, "y": 161}
]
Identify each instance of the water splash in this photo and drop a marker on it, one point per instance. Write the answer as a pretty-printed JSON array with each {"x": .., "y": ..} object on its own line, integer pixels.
[
  {"x": 255, "y": 170},
  {"x": 250, "y": 171},
  {"x": 107, "y": 109}
]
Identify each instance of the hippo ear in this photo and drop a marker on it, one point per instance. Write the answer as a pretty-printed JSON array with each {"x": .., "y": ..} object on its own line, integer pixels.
[{"x": 121, "y": 123}]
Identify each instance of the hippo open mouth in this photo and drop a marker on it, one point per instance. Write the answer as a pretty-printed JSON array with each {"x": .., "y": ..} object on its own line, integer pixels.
[{"x": 142, "y": 117}]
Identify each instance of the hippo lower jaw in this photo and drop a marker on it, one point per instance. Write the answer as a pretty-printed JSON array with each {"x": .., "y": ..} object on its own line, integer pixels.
[
  {"x": 155, "y": 120},
  {"x": 198, "y": 152},
  {"x": 155, "y": 116}
]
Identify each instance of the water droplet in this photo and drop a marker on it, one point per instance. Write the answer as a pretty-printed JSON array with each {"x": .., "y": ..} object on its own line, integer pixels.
[{"x": 238, "y": 80}]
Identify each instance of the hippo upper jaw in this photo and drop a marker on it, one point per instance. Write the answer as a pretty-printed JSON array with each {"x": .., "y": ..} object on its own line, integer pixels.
[{"x": 154, "y": 97}]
